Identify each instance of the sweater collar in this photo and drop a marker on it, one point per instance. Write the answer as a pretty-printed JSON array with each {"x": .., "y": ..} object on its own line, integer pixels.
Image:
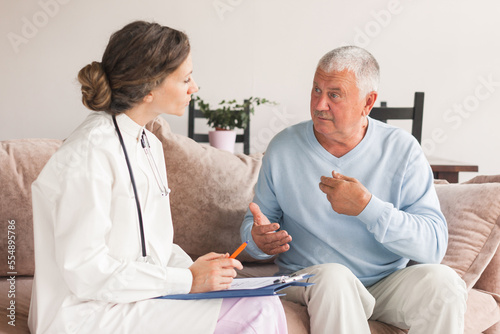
[{"x": 349, "y": 155}]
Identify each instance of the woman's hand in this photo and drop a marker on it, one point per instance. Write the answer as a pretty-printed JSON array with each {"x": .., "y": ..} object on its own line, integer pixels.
[{"x": 213, "y": 272}]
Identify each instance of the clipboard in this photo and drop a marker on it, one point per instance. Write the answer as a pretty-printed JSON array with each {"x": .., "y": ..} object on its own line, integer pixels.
[{"x": 248, "y": 287}]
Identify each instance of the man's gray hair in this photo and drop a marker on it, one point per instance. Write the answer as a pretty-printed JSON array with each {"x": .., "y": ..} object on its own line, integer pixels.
[{"x": 359, "y": 61}]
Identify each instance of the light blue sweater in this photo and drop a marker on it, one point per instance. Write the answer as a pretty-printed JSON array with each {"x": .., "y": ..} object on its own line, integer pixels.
[{"x": 402, "y": 221}]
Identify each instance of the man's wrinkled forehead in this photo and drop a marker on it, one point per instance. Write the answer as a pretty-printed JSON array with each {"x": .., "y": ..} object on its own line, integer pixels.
[{"x": 333, "y": 78}]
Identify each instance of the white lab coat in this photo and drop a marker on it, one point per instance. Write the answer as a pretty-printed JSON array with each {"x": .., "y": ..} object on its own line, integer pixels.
[{"x": 87, "y": 241}]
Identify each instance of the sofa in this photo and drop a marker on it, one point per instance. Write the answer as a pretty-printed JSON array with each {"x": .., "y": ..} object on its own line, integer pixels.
[{"x": 211, "y": 190}]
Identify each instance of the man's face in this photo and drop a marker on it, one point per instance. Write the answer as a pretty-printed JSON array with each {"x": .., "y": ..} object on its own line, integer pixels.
[{"x": 337, "y": 110}]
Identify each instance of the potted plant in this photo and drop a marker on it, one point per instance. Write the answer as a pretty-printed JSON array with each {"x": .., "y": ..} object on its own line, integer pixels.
[{"x": 227, "y": 116}]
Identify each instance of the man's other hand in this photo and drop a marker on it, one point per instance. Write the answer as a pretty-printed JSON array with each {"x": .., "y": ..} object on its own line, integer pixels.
[{"x": 346, "y": 194}]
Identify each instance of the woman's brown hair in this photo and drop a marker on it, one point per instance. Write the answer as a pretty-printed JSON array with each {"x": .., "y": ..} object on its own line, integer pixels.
[{"x": 137, "y": 59}]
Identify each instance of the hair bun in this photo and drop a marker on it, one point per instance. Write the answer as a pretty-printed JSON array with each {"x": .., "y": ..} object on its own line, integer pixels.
[{"x": 96, "y": 92}]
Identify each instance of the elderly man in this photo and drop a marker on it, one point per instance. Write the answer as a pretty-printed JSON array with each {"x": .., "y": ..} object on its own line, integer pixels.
[{"x": 357, "y": 228}]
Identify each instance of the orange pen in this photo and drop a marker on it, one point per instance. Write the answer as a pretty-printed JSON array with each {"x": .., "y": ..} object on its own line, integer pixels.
[{"x": 239, "y": 250}]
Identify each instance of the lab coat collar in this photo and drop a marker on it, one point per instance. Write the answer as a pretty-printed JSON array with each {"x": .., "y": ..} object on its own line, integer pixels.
[{"x": 128, "y": 126}]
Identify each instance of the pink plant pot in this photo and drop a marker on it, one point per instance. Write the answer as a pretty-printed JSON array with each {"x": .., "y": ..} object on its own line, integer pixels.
[{"x": 222, "y": 139}]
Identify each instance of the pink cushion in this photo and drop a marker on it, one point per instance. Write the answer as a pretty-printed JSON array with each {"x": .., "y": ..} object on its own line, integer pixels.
[
  {"x": 211, "y": 190},
  {"x": 482, "y": 311},
  {"x": 21, "y": 160},
  {"x": 473, "y": 215},
  {"x": 490, "y": 279},
  {"x": 484, "y": 179}
]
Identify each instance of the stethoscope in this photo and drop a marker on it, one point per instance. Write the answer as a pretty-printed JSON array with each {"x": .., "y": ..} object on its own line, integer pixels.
[{"x": 163, "y": 189}]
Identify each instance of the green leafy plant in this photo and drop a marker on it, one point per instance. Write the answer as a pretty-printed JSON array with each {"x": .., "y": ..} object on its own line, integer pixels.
[{"x": 230, "y": 114}]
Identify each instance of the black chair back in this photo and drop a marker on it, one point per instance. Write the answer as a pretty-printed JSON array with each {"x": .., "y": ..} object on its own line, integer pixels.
[{"x": 415, "y": 113}]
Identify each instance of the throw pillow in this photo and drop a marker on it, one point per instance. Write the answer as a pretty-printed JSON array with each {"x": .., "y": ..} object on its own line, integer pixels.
[
  {"x": 473, "y": 215},
  {"x": 21, "y": 160},
  {"x": 484, "y": 179},
  {"x": 211, "y": 190},
  {"x": 489, "y": 279}
]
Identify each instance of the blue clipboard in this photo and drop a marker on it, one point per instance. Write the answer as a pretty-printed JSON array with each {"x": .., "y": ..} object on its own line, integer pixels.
[{"x": 269, "y": 290}]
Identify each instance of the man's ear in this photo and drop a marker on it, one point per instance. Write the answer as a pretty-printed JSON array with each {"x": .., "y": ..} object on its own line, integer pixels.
[{"x": 369, "y": 102}]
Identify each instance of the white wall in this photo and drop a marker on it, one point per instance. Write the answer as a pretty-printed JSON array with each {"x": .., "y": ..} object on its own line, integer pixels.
[{"x": 448, "y": 49}]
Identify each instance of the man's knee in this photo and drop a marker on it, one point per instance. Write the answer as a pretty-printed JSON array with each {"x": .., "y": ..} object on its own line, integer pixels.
[
  {"x": 329, "y": 273},
  {"x": 439, "y": 275},
  {"x": 331, "y": 279},
  {"x": 444, "y": 282},
  {"x": 441, "y": 293},
  {"x": 337, "y": 287}
]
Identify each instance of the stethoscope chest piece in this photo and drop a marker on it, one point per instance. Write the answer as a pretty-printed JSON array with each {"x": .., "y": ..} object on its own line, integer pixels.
[{"x": 146, "y": 259}]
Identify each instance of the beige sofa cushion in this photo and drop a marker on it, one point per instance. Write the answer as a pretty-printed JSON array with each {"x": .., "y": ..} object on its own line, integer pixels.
[
  {"x": 484, "y": 179},
  {"x": 473, "y": 215},
  {"x": 21, "y": 161},
  {"x": 482, "y": 311},
  {"x": 489, "y": 279},
  {"x": 211, "y": 190}
]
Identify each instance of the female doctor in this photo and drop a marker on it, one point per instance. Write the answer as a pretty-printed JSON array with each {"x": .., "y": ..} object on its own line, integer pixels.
[{"x": 102, "y": 224}]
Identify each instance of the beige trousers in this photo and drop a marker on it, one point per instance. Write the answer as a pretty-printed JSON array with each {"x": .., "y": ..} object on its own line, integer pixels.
[{"x": 425, "y": 298}]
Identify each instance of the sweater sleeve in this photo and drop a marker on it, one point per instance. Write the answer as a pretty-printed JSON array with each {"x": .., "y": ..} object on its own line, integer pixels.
[{"x": 417, "y": 229}]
